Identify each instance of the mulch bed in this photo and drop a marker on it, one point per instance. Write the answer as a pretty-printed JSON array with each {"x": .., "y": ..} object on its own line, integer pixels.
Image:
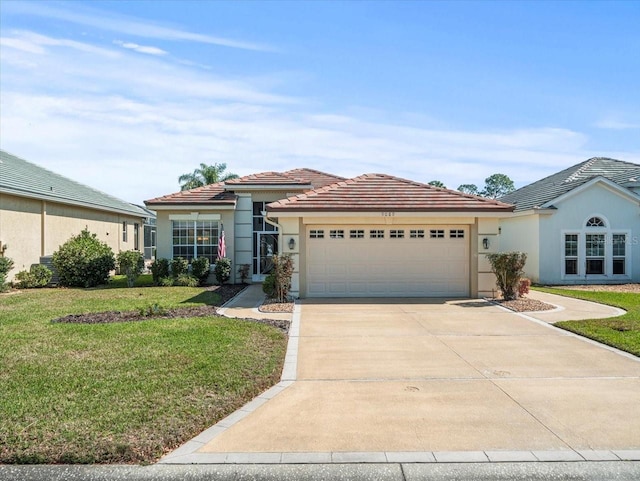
[
  {"x": 274, "y": 306},
  {"x": 226, "y": 292},
  {"x": 604, "y": 287},
  {"x": 524, "y": 305}
]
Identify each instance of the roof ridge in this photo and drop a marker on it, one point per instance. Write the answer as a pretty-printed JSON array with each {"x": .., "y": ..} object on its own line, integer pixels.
[{"x": 315, "y": 171}]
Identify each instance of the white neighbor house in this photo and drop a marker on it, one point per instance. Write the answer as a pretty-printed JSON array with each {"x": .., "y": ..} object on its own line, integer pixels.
[{"x": 579, "y": 226}]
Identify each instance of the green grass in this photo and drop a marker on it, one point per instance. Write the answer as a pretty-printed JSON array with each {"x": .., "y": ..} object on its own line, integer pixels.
[
  {"x": 622, "y": 332},
  {"x": 121, "y": 392}
]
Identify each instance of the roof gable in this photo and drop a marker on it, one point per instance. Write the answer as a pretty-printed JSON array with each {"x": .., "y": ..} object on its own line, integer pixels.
[
  {"x": 381, "y": 192},
  {"x": 25, "y": 179},
  {"x": 543, "y": 192}
]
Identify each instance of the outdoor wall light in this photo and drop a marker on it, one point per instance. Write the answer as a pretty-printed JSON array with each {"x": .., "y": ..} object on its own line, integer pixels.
[
  {"x": 485, "y": 243},
  {"x": 292, "y": 244}
]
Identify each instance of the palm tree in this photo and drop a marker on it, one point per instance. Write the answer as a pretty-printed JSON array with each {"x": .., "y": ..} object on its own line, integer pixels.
[{"x": 205, "y": 175}]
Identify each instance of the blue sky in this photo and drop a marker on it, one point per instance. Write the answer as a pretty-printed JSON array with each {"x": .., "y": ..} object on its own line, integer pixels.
[{"x": 127, "y": 95}]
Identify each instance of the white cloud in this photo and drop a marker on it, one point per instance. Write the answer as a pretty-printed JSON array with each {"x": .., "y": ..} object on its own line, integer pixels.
[
  {"x": 141, "y": 48},
  {"x": 125, "y": 25}
]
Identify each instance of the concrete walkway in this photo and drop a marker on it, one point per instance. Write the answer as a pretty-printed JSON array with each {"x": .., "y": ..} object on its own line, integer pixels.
[
  {"x": 569, "y": 309},
  {"x": 431, "y": 381},
  {"x": 245, "y": 306}
]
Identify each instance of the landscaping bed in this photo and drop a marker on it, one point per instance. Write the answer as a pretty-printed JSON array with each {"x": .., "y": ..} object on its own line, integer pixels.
[
  {"x": 273, "y": 305},
  {"x": 524, "y": 304}
]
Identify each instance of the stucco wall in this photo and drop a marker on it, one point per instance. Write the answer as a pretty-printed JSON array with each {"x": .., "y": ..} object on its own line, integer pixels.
[
  {"x": 523, "y": 234},
  {"x": 486, "y": 228},
  {"x": 33, "y": 228},
  {"x": 20, "y": 227},
  {"x": 620, "y": 212}
]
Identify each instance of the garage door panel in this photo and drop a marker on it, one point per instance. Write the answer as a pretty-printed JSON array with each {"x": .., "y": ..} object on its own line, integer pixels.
[{"x": 388, "y": 267}]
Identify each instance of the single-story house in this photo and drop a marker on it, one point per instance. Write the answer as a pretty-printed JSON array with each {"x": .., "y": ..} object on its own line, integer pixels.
[
  {"x": 578, "y": 226},
  {"x": 40, "y": 210},
  {"x": 373, "y": 235}
]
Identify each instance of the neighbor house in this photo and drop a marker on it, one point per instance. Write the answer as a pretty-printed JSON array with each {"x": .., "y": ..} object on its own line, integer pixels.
[
  {"x": 40, "y": 210},
  {"x": 580, "y": 225},
  {"x": 373, "y": 235}
]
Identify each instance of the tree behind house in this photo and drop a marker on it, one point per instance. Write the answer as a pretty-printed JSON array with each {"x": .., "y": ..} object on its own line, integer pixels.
[{"x": 205, "y": 175}]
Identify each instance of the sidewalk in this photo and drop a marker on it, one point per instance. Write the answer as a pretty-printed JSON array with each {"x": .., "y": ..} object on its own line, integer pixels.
[
  {"x": 245, "y": 306},
  {"x": 569, "y": 309}
]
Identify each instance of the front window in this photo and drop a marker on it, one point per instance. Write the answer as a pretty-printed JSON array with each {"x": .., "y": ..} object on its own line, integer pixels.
[
  {"x": 594, "y": 252},
  {"x": 124, "y": 231},
  {"x": 195, "y": 239},
  {"x": 571, "y": 254}
]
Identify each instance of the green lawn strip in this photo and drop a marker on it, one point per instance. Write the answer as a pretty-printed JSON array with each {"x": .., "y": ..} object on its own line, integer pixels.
[
  {"x": 121, "y": 392},
  {"x": 622, "y": 332},
  {"x": 116, "y": 282}
]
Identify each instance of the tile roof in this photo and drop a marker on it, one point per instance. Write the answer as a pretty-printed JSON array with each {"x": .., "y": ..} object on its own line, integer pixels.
[
  {"x": 552, "y": 187},
  {"x": 316, "y": 178},
  {"x": 212, "y": 194},
  {"x": 266, "y": 178},
  {"x": 23, "y": 178},
  {"x": 380, "y": 192}
]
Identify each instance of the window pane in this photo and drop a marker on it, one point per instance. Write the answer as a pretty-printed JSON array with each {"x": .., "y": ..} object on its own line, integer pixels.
[
  {"x": 258, "y": 207},
  {"x": 571, "y": 245},
  {"x": 619, "y": 245},
  {"x": 396, "y": 234},
  {"x": 571, "y": 266},
  {"x": 619, "y": 266},
  {"x": 416, "y": 234},
  {"x": 595, "y": 266},
  {"x": 376, "y": 234},
  {"x": 595, "y": 245},
  {"x": 336, "y": 234}
]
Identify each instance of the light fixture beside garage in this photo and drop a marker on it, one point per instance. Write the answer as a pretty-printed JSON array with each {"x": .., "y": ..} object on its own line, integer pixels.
[
  {"x": 485, "y": 243},
  {"x": 292, "y": 243}
]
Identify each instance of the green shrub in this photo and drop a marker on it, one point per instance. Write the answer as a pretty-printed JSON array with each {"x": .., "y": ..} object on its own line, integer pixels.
[
  {"x": 282, "y": 271},
  {"x": 6, "y": 264},
  {"x": 131, "y": 264},
  {"x": 84, "y": 261},
  {"x": 179, "y": 266},
  {"x": 165, "y": 281},
  {"x": 153, "y": 310},
  {"x": 159, "y": 269},
  {"x": 200, "y": 269},
  {"x": 37, "y": 276},
  {"x": 507, "y": 267},
  {"x": 222, "y": 270},
  {"x": 269, "y": 286},
  {"x": 186, "y": 280}
]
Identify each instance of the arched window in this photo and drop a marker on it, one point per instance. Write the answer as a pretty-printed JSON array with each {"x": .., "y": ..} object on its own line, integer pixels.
[{"x": 595, "y": 222}]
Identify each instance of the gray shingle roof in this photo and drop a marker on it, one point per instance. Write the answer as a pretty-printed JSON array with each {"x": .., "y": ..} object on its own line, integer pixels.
[
  {"x": 22, "y": 178},
  {"x": 552, "y": 187}
]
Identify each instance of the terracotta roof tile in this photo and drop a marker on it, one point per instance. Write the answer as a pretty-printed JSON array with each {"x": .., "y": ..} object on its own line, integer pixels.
[
  {"x": 266, "y": 178},
  {"x": 316, "y": 178},
  {"x": 212, "y": 194},
  {"x": 380, "y": 192}
]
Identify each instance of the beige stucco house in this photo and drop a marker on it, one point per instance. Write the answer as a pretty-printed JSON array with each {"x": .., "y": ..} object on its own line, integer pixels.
[
  {"x": 371, "y": 236},
  {"x": 40, "y": 210}
]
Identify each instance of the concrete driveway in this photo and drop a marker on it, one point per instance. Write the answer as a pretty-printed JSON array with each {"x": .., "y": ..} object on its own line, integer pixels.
[{"x": 441, "y": 376}]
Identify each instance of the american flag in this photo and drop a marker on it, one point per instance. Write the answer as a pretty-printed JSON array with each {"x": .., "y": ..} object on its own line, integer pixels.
[{"x": 222, "y": 248}]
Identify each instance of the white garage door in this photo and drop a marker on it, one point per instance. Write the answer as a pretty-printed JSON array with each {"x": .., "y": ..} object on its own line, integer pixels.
[{"x": 387, "y": 261}]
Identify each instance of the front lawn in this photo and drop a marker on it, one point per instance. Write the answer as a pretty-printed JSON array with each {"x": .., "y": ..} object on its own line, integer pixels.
[
  {"x": 622, "y": 332},
  {"x": 122, "y": 392}
]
